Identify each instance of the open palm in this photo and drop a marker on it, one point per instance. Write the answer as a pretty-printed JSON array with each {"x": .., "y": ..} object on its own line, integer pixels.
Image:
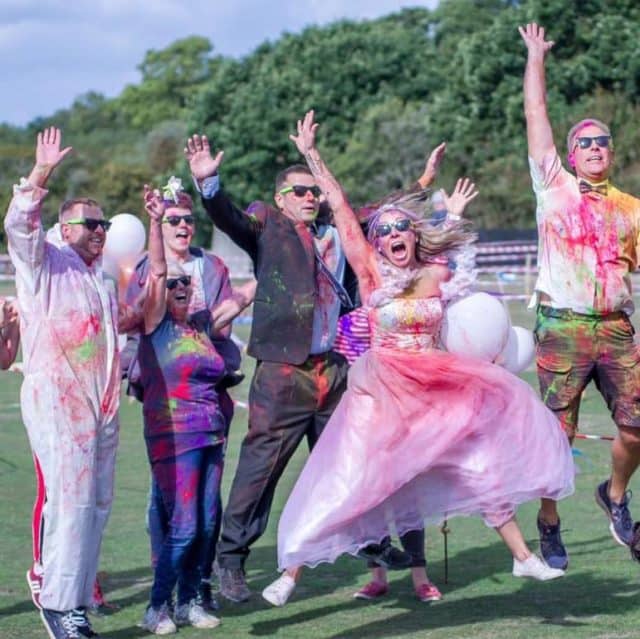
[
  {"x": 198, "y": 154},
  {"x": 48, "y": 151}
]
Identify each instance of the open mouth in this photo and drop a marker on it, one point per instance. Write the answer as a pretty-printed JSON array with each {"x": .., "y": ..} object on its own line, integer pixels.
[
  {"x": 398, "y": 248},
  {"x": 181, "y": 296},
  {"x": 182, "y": 235}
]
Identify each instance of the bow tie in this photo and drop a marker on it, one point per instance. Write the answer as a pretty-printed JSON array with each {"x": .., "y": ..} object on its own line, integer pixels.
[{"x": 587, "y": 187}]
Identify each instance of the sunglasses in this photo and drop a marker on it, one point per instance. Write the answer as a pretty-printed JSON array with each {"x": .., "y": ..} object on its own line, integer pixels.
[
  {"x": 172, "y": 282},
  {"x": 602, "y": 141},
  {"x": 300, "y": 190},
  {"x": 174, "y": 220},
  {"x": 91, "y": 223},
  {"x": 399, "y": 225}
]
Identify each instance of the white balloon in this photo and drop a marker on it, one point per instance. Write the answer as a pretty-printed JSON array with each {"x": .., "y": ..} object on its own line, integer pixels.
[
  {"x": 110, "y": 267},
  {"x": 126, "y": 238},
  {"x": 519, "y": 351},
  {"x": 476, "y": 326}
]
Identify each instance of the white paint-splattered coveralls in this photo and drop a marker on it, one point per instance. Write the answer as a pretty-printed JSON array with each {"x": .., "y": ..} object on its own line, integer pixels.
[{"x": 69, "y": 397}]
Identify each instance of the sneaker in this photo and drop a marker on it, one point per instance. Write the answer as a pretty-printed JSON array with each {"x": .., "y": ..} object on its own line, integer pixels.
[
  {"x": 535, "y": 568},
  {"x": 158, "y": 621},
  {"x": 387, "y": 556},
  {"x": 193, "y": 614},
  {"x": 79, "y": 617},
  {"x": 233, "y": 585},
  {"x": 278, "y": 593},
  {"x": 551, "y": 547},
  {"x": 35, "y": 586},
  {"x": 60, "y": 625},
  {"x": 620, "y": 522},
  {"x": 428, "y": 592},
  {"x": 373, "y": 590},
  {"x": 205, "y": 597}
]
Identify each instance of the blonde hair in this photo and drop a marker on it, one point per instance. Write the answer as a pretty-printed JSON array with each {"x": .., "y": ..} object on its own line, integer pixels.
[
  {"x": 431, "y": 240},
  {"x": 175, "y": 269}
]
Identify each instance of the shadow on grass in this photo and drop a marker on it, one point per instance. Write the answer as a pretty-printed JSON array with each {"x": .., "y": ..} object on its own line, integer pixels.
[{"x": 559, "y": 603}]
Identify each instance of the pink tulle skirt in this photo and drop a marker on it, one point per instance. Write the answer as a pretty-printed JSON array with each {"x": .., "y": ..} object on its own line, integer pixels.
[{"x": 417, "y": 438}]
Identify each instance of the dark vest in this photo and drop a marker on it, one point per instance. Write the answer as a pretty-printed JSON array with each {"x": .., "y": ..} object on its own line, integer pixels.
[{"x": 286, "y": 293}]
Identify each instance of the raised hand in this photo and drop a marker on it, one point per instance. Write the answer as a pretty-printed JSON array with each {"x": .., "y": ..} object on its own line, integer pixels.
[
  {"x": 534, "y": 39},
  {"x": 198, "y": 154},
  {"x": 48, "y": 155},
  {"x": 463, "y": 193},
  {"x": 305, "y": 141},
  {"x": 433, "y": 164},
  {"x": 153, "y": 203},
  {"x": 48, "y": 151}
]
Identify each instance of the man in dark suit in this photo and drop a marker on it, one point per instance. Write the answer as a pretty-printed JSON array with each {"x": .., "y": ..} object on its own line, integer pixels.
[{"x": 298, "y": 379}]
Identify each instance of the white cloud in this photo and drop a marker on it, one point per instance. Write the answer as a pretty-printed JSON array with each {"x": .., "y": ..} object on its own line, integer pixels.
[{"x": 55, "y": 50}]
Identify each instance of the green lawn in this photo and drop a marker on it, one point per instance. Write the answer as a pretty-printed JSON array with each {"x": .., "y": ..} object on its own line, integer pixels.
[{"x": 597, "y": 598}]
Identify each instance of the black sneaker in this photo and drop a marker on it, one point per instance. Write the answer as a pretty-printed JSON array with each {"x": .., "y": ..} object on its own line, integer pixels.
[
  {"x": 60, "y": 625},
  {"x": 551, "y": 547},
  {"x": 621, "y": 524},
  {"x": 79, "y": 616},
  {"x": 205, "y": 597},
  {"x": 233, "y": 585},
  {"x": 387, "y": 556}
]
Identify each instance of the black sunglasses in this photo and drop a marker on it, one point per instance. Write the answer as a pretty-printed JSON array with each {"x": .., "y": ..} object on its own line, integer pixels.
[
  {"x": 299, "y": 190},
  {"x": 400, "y": 225},
  {"x": 91, "y": 223},
  {"x": 602, "y": 141},
  {"x": 172, "y": 282},
  {"x": 174, "y": 220}
]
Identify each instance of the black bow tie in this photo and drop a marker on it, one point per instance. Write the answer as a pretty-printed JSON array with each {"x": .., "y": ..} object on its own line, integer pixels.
[{"x": 587, "y": 187}]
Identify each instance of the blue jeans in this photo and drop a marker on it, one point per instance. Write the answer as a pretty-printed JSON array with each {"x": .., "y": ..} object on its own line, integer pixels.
[{"x": 189, "y": 489}]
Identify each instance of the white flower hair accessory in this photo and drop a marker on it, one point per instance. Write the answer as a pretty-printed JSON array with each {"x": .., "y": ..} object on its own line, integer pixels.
[{"x": 172, "y": 189}]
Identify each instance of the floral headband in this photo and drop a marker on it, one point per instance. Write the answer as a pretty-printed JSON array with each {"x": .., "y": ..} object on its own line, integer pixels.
[{"x": 173, "y": 193}]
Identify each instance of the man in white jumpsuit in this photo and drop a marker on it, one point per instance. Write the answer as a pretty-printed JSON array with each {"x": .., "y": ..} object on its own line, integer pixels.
[{"x": 70, "y": 393}]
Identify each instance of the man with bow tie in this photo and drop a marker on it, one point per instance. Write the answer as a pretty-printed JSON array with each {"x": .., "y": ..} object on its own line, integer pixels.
[{"x": 589, "y": 243}]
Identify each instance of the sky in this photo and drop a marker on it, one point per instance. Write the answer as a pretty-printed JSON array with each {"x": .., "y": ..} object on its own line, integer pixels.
[{"x": 56, "y": 50}]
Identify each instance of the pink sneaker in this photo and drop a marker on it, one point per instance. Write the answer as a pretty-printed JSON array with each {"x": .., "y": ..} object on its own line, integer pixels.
[
  {"x": 428, "y": 592},
  {"x": 373, "y": 590}
]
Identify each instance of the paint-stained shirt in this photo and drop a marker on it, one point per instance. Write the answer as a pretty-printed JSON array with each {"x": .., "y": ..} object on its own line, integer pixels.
[
  {"x": 179, "y": 369},
  {"x": 327, "y": 307},
  {"x": 589, "y": 242}
]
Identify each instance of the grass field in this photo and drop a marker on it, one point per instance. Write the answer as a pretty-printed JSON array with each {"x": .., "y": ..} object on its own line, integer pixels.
[{"x": 597, "y": 598}]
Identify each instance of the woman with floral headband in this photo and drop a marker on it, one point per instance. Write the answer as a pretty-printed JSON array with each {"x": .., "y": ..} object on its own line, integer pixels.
[
  {"x": 420, "y": 434},
  {"x": 184, "y": 427}
]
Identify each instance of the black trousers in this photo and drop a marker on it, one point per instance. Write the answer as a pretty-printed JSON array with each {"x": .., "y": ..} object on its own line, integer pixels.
[
  {"x": 413, "y": 543},
  {"x": 286, "y": 404}
]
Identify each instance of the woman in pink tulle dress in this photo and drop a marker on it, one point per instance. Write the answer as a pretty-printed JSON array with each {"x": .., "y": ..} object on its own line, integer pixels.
[{"x": 420, "y": 434}]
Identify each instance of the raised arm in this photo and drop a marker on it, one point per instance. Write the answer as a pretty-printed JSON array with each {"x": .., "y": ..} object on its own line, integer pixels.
[
  {"x": 464, "y": 192},
  {"x": 431, "y": 167},
  {"x": 9, "y": 332},
  {"x": 155, "y": 304},
  {"x": 357, "y": 250},
  {"x": 539, "y": 133},
  {"x": 23, "y": 222},
  {"x": 241, "y": 228}
]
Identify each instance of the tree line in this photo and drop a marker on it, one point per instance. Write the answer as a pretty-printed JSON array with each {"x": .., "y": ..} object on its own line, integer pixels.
[{"x": 385, "y": 91}]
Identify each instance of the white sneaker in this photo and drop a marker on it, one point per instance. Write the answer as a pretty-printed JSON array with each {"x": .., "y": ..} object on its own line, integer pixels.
[
  {"x": 193, "y": 614},
  {"x": 535, "y": 568},
  {"x": 158, "y": 621},
  {"x": 278, "y": 593}
]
